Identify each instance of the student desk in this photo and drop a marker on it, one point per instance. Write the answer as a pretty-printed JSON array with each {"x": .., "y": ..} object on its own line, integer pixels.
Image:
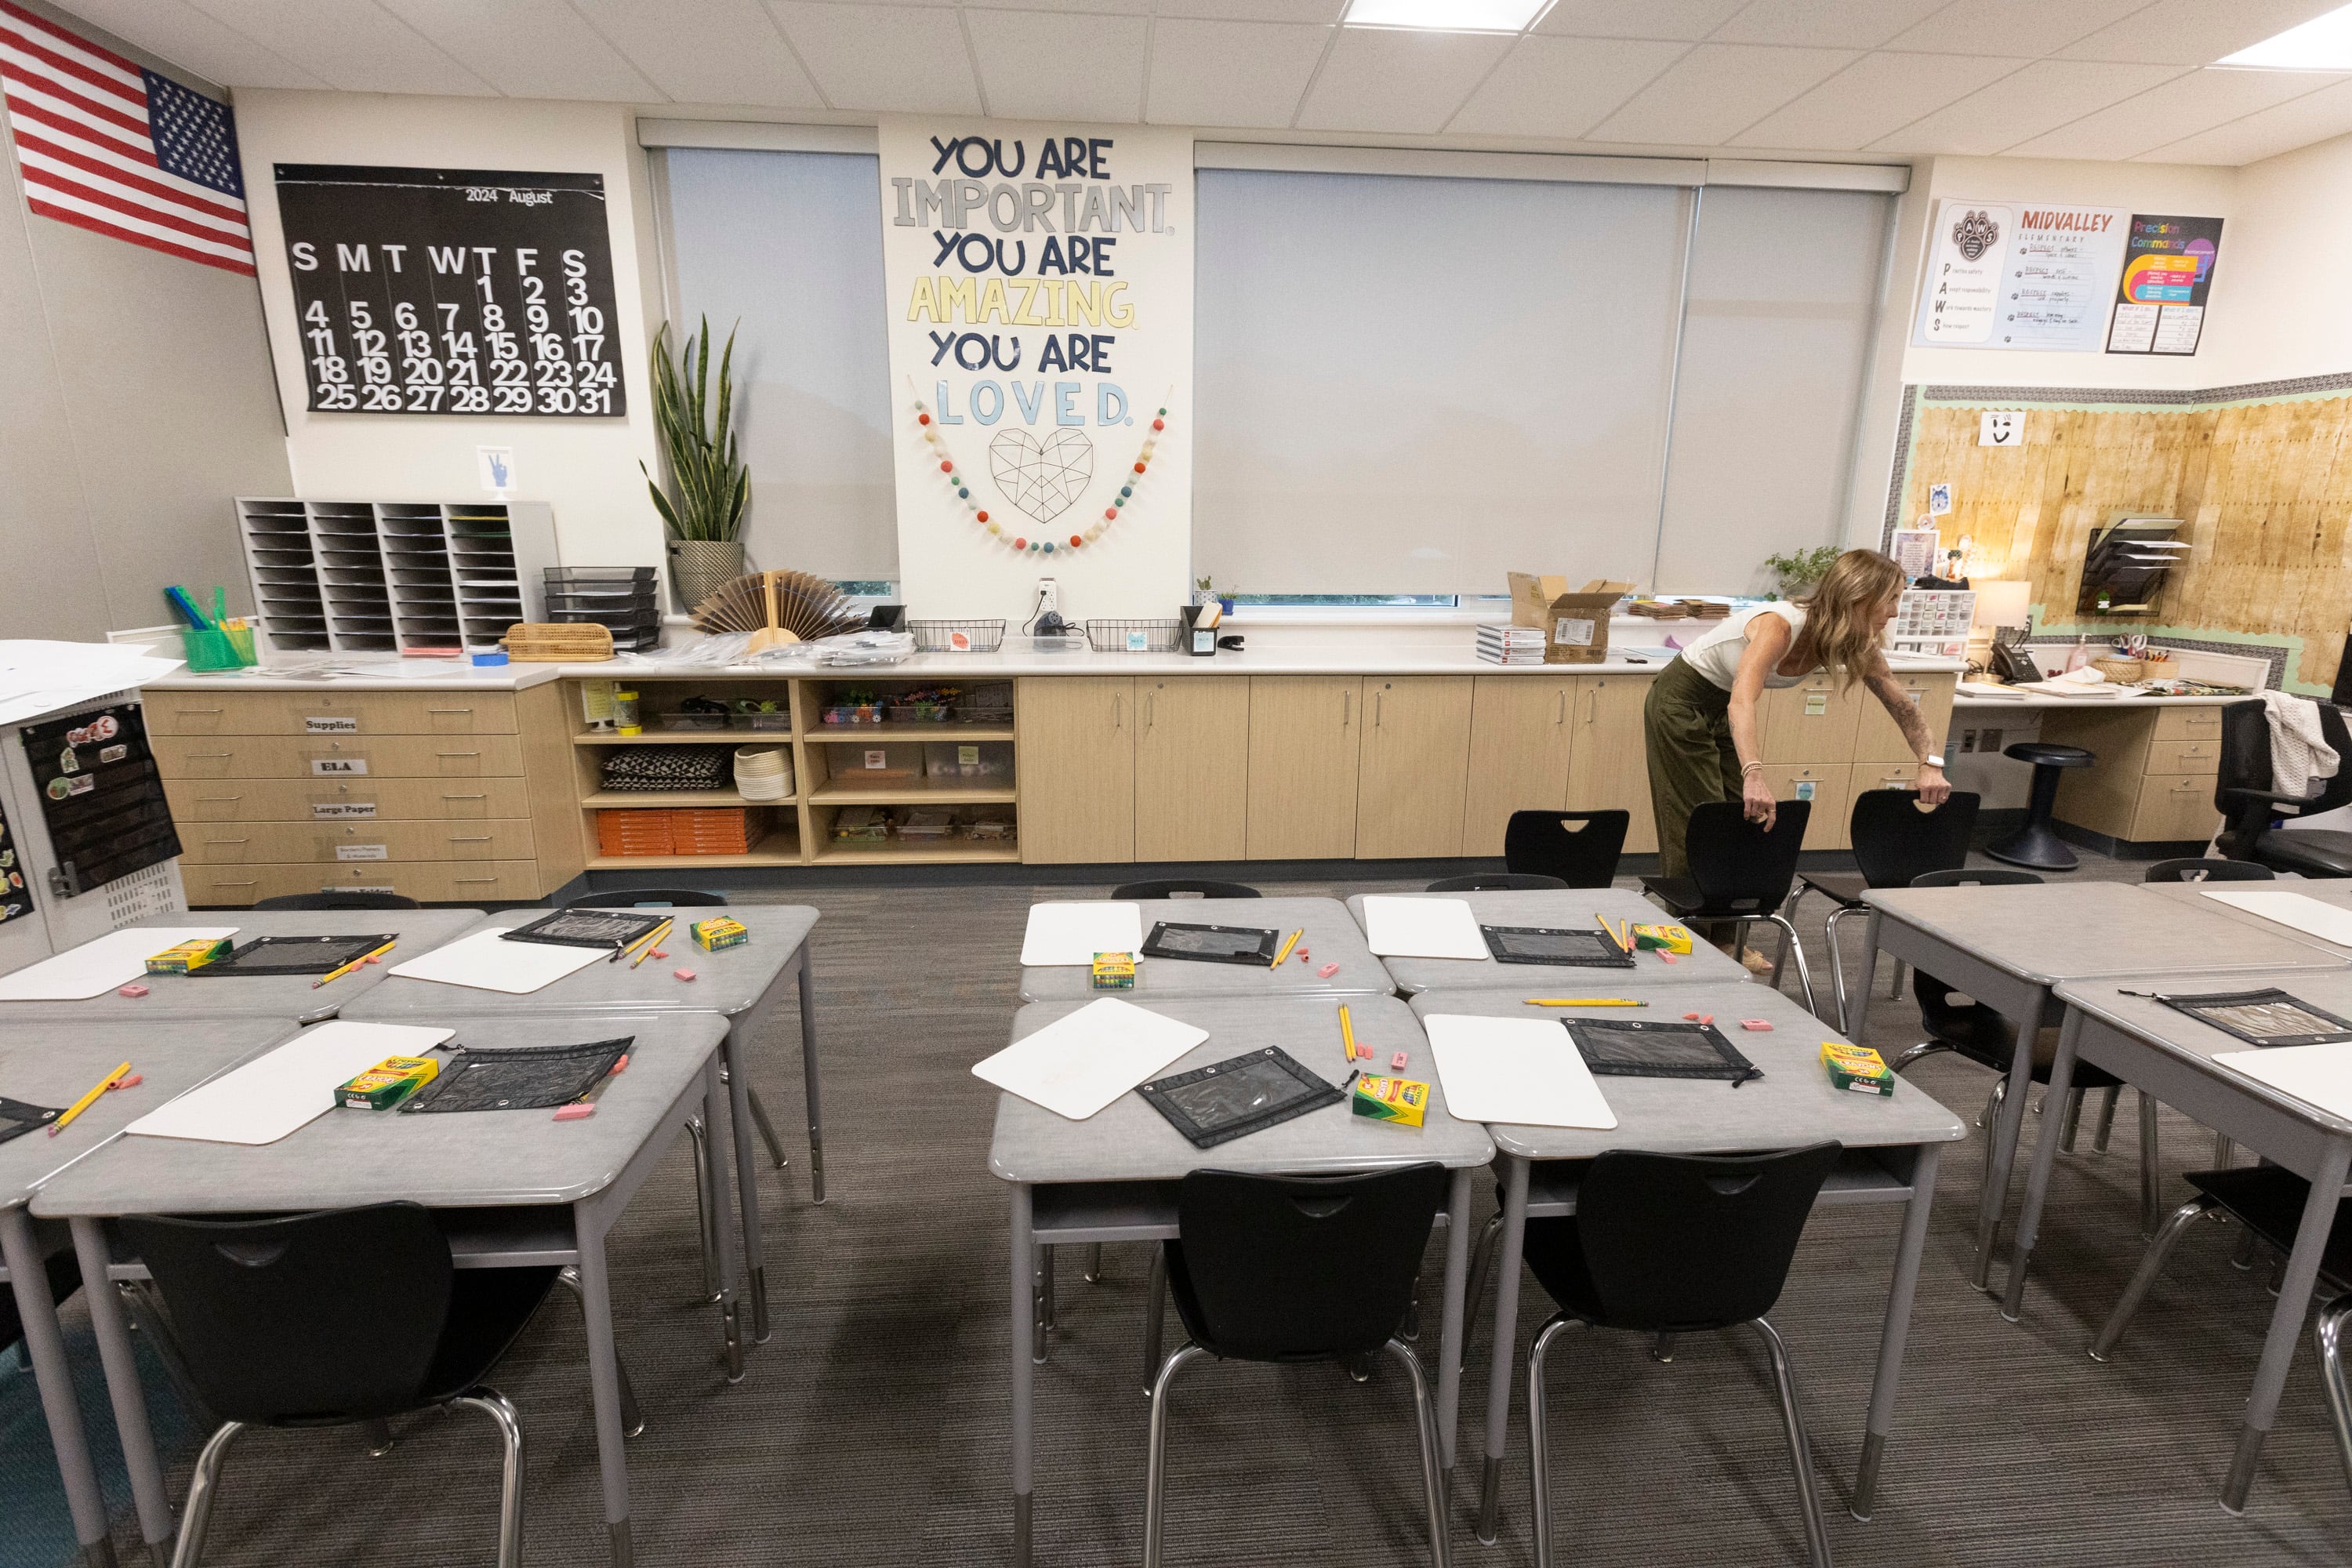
[
  {"x": 1114, "y": 1176},
  {"x": 561, "y": 1185},
  {"x": 1573, "y": 910},
  {"x": 2161, "y": 1051},
  {"x": 2326, "y": 892},
  {"x": 290, "y": 996},
  {"x": 741, "y": 985},
  {"x": 1330, "y": 938},
  {"x": 2007, "y": 946},
  {"x": 56, "y": 1068}
]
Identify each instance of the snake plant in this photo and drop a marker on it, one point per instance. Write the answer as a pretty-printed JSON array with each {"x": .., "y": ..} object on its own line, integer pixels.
[{"x": 709, "y": 485}]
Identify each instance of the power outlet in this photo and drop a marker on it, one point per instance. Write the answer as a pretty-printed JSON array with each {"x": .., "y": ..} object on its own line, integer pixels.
[{"x": 1049, "y": 597}]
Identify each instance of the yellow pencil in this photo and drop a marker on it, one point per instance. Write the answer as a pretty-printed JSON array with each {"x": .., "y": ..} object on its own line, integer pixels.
[
  {"x": 343, "y": 969},
  {"x": 1288, "y": 945},
  {"x": 1624, "y": 943},
  {"x": 652, "y": 941},
  {"x": 86, "y": 1100},
  {"x": 1347, "y": 1032},
  {"x": 1584, "y": 1001}
]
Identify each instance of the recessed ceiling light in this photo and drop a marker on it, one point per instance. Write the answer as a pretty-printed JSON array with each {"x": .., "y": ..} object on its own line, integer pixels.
[
  {"x": 2322, "y": 43},
  {"x": 1446, "y": 15}
]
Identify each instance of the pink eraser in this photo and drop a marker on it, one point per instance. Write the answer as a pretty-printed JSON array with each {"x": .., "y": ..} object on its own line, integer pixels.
[
  {"x": 619, "y": 1067},
  {"x": 1706, "y": 1018},
  {"x": 1668, "y": 958},
  {"x": 1399, "y": 1060},
  {"x": 657, "y": 952},
  {"x": 683, "y": 973},
  {"x": 574, "y": 1112},
  {"x": 1693, "y": 1018},
  {"x": 1302, "y": 953},
  {"x": 1760, "y": 1026},
  {"x": 373, "y": 958},
  {"x": 133, "y": 991},
  {"x": 1328, "y": 971},
  {"x": 130, "y": 1082}
]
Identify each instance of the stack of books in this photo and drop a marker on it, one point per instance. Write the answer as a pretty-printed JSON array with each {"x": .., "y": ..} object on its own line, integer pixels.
[{"x": 1511, "y": 645}]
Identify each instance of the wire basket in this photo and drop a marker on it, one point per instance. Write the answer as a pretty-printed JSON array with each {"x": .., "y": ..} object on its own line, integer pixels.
[
  {"x": 1135, "y": 636},
  {"x": 957, "y": 636}
]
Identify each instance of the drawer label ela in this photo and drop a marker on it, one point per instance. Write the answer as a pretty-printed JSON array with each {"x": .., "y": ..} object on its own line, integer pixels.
[
  {"x": 331, "y": 726},
  {"x": 336, "y": 810},
  {"x": 362, "y": 852},
  {"x": 339, "y": 767}
]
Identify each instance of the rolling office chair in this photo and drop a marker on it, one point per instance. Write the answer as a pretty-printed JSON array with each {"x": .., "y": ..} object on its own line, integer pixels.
[
  {"x": 1677, "y": 1244},
  {"x": 1739, "y": 872},
  {"x": 2243, "y": 793},
  {"x": 1895, "y": 843},
  {"x": 1291, "y": 1269},
  {"x": 1497, "y": 882},
  {"x": 2195, "y": 869},
  {"x": 1185, "y": 888},
  {"x": 1580, "y": 847},
  {"x": 332, "y": 900}
]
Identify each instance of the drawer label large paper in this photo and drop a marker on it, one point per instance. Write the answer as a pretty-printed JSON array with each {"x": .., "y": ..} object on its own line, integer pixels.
[
  {"x": 339, "y": 767},
  {"x": 331, "y": 726},
  {"x": 362, "y": 852},
  {"x": 336, "y": 810}
]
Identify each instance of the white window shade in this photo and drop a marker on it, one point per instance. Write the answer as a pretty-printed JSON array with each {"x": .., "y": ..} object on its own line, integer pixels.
[
  {"x": 789, "y": 244},
  {"x": 1784, "y": 288},
  {"x": 1415, "y": 384}
]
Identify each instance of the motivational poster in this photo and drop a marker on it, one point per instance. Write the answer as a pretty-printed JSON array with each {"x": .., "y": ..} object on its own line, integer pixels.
[
  {"x": 2017, "y": 275},
  {"x": 2160, "y": 298}
]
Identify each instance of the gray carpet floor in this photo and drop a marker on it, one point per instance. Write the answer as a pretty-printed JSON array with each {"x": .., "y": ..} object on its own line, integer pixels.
[{"x": 872, "y": 1429}]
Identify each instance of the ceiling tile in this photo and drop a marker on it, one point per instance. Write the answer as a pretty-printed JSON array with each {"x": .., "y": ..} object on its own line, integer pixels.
[
  {"x": 1120, "y": 7},
  {"x": 1385, "y": 78},
  {"x": 1689, "y": 20},
  {"x": 1255, "y": 10},
  {"x": 528, "y": 48},
  {"x": 1873, "y": 97},
  {"x": 1037, "y": 65},
  {"x": 2042, "y": 97},
  {"x": 705, "y": 51},
  {"x": 1562, "y": 87},
  {"x": 2028, "y": 27},
  {"x": 176, "y": 32},
  {"x": 2197, "y": 102},
  {"x": 2194, "y": 32},
  {"x": 1717, "y": 90},
  {"x": 1823, "y": 24},
  {"x": 1230, "y": 73},
  {"x": 358, "y": 48},
  {"x": 905, "y": 59},
  {"x": 2325, "y": 114}
]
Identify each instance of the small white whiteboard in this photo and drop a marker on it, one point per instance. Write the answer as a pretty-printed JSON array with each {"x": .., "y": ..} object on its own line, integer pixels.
[
  {"x": 294, "y": 1085},
  {"x": 485, "y": 963},
  {"x": 1514, "y": 1070},
  {"x": 95, "y": 968},
  {"x": 2317, "y": 1075},
  {"x": 1074, "y": 932},
  {"x": 1076, "y": 1066},
  {"x": 2296, "y": 911},
  {"x": 1423, "y": 928}
]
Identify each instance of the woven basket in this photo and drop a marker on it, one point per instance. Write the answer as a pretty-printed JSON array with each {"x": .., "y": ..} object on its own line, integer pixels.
[
  {"x": 545, "y": 642},
  {"x": 2122, "y": 671}
]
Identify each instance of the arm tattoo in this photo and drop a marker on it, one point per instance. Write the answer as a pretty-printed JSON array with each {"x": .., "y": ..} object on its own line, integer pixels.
[{"x": 1905, "y": 714}]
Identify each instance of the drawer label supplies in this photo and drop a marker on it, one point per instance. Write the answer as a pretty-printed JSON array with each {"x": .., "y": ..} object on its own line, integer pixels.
[
  {"x": 337, "y": 767},
  {"x": 331, "y": 726},
  {"x": 336, "y": 810},
  {"x": 362, "y": 852}
]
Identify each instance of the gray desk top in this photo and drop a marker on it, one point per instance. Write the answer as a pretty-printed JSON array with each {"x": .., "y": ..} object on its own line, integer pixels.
[
  {"x": 726, "y": 983},
  {"x": 2082, "y": 930},
  {"x": 1792, "y": 1105},
  {"x": 54, "y": 1067},
  {"x": 2197, "y": 1043},
  {"x": 1128, "y": 1141},
  {"x": 2326, "y": 892},
  {"x": 458, "y": 1160},
  {"x": 290, "y": 996},
  {"x": 1331, "y": 938},
  {"x": 1573, "y": 910}
]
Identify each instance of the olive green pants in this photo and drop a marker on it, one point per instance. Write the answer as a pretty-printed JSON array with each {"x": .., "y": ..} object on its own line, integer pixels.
[{"x": 1687, "y": 731}]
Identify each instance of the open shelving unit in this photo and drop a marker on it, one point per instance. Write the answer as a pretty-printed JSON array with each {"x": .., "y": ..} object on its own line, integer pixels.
[{"x": 394, "y": 576}]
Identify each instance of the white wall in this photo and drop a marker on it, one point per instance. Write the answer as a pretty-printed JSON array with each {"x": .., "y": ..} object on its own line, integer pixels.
[
  {"x": 586, "y": 468},
  {"x": 2287, "y": 252}
]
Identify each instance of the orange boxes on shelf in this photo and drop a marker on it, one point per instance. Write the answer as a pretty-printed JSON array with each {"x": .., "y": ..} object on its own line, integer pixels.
[{"x": 682, "y": 830}]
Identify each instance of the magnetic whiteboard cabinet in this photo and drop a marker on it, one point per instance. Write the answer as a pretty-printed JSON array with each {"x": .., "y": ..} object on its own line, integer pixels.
[
  {"x": 1192, "y": 768},
  {"x": 1303, "y": 759},
  {"x": 1519, "y": 733},
  {"x": 1076, "y": 737},
  {"x": 1412, "y": 767},
  {"x": 1608, "y": 765},
  {"x": 391, "y": 576}
]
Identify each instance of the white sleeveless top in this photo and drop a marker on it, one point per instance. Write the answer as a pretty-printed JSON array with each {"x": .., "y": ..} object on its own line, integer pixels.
[{"x": 1717, "y": 653}]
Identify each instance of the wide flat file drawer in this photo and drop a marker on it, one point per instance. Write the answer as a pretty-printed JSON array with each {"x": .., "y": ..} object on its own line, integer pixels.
[
  {"x": 344, "y": 800},
  {"x": 426, "y": 881},
  {"x": 388, "y": 757},
  {"x": 2185, "y": 757},
  {"x": 357, "y": 842},
  {"x": 331, "y": 712}
]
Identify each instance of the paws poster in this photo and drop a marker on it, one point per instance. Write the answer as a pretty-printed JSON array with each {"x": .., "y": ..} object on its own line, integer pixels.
[{"x": 1039, "y": 279}]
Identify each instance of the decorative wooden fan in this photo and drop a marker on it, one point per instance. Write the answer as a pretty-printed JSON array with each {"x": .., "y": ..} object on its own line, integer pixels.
[{"x": 795, "y": 606}]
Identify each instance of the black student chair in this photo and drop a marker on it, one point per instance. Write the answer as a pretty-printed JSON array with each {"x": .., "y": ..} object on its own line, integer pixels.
[
  {"x": 1580, "y": 847},
  {"x": 338, "y": 1317},
  {"x": 1678, "y": 1244},
  {"x": 1184, "y": 888},
  {"x": 1896, "y": 841},
  {"x": 338, "y": 900},
  {"x": 1497, "y": 882},
  {"x": 1739, "y": 872},
  {"x": 2244, "y": 795},
  {"x": 1296, "y": 1268},
  {"x": 634, "y": 897},
  {"x": 2195, "y": 869}
]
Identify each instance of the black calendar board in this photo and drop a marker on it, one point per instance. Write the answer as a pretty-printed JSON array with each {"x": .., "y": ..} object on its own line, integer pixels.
[
  {"x": 464, "y": 291},
  {"x": 101, "y": 796}
]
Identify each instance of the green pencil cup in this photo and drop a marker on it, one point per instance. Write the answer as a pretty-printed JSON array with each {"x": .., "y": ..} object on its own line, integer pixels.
[
  {"x": 211, "y": 650},
  {"x": 240, "y": 638}
]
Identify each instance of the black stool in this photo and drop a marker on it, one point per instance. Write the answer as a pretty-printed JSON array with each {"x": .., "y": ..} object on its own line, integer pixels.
[{"x": 2034, "y": 844}]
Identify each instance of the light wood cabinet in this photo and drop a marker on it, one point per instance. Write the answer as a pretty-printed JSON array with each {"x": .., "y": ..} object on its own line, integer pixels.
[
  {"x": 1880, "y": 740},
  {"x": 325, "y": 757},
  {"x": 2176, "y": 809},
  {"x": 2153, "y": 781},
  {"x": 338, "y": 800},
  {"x": 1608, "y": 760},
  {"x": 1825, "y": 784},
  {"x": 1192, "y": 768},
  {"x": 1812, "y": 722},
  {"x": 328, "y": 711},
  {"x": 426, "y": 881},
  {"x": 1303, "y": 759},
  {"x": 1414, "y": 760},
  {"x": 1074, "y": 738},
  {"x": 354, "y": 843},
  {"x": 1521, "y": 727}
]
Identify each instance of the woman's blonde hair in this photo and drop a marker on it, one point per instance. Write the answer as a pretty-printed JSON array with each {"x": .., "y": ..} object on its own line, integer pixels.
[{"x": 1842, "y": 624}]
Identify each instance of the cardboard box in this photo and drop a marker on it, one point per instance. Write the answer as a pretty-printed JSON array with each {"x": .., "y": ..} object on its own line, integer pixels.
[{"x": 1575, "y": 625}]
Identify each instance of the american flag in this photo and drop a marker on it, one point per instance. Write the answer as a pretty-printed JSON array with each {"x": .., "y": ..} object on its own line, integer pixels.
[{"x": 120, "y": 150}]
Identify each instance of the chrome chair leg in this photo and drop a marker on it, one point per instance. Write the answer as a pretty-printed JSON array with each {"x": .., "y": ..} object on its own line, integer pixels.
[
  {"x": 632, "y": 1419},
  {"x": 2151, "y": 1188},
  {"x": 494, "y": 1404},
  {"x": 1904, "y": 1058},
  {"x": 767, "y": 1128},
  {"x": 1155, "y": 1310},
  {"x": 1837, "y": 960},
  {"x": 1538, "y": 1434},
  {"x": 1992, "y": 1101},
  {"x": 699, "y": 1135},
  {"x": 2143, "y": 1279},
  {"x": 2330, "y": 1331},
  {"x": 1093, "y": 1271},
  {"x": 1796, "y": 950},
  {"x": 1662, "y": 1349},
  {"x": 1784, "y": 1380},
  {"x": 197, "y": 1516},
  {"x": 1481, "y": 1261},
  {"x": 1155, "y": 1467},
  {"x": 377, "y": 1434},
  {"x": 1432, "y": 1484},
  {"x": 2242, "y": 1255},
  {"x": 2225, "y": 1150},
  {"x": 1409, "y": 1330},
  {"x": 2074, "y": 1123},
  {"x": 2107, "y": 1099}
]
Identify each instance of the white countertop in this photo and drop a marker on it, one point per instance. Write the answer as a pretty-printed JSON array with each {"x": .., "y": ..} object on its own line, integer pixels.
[{"x": 2089, "y": 704}]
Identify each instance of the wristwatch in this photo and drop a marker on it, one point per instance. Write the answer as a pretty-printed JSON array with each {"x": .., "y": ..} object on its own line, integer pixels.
[{"x": 1933, "y": 762}]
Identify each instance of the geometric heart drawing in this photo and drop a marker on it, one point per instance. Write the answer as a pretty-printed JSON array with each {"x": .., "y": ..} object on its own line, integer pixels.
[{"x": 1042, "y": 480}]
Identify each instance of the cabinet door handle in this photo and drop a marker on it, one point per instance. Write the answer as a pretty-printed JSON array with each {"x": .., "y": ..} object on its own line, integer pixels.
[
  {"x": 1117, "y": 710},
  {"x": 1559, "y": 709},
  {"x": 218, "y": 799},
  {"x": 457, "y": 753},
  {"x": 1347, "y": 708},
  {"x": 1148, "y": 707},
  {"x": 465, "y": 797},
  {"x": 1379, "y": 707},
  {"x": 470, "y": 838},
  {"x": 243, "y": 882},
  {"x": 1592, "y": 708},
  {"x": 199, "y": 709},
  {"x": 448, "y": 709},
  {"x": 224, "y": 841},
  {"x": 464, "y": 880},
  {"x": 210, "y": 756}
]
